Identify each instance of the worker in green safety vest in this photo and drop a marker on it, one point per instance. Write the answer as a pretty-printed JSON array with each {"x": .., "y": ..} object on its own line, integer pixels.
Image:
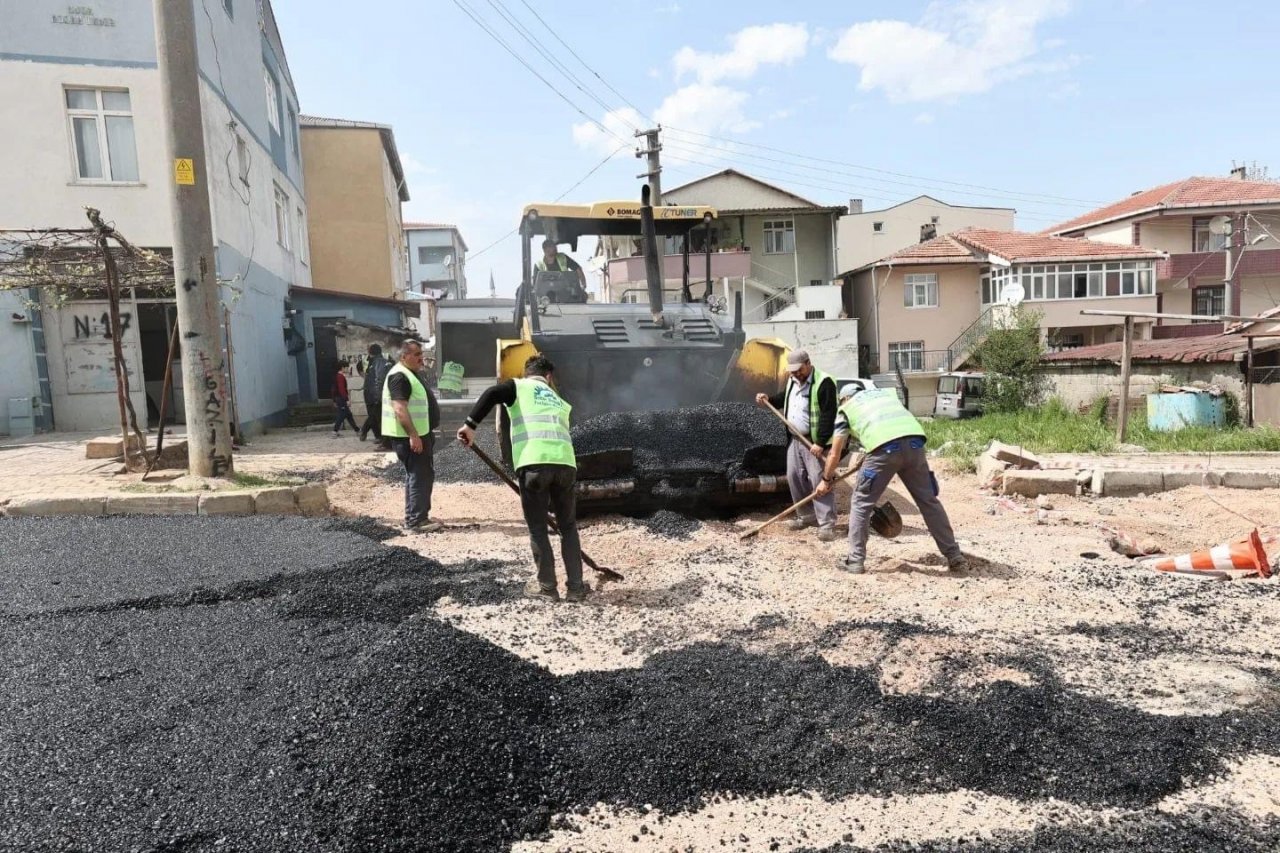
[
  {"x": 893, "y": 441},
  {"x": 542, "y": 454},
  {"x": 808, "y": 402},
  {"x": 409, "y": 410},
  {"x": 553, "y": 259}
]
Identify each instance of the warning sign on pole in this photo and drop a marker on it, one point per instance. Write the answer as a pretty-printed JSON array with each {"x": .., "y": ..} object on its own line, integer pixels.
[{"x": 183, "y": 171}]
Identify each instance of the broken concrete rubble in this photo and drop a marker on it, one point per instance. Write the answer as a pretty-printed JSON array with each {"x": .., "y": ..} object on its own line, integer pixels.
[{"x": 1017, "y": 457}]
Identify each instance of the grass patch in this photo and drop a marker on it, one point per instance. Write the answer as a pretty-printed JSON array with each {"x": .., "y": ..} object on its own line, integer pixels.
[
  {"x": 254, "y": 481},
  {"x": 1052, "y": 428}
]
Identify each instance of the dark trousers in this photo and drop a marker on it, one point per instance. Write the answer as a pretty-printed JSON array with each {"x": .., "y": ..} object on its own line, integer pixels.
[
  {"x": 344, "y": 414},
  {"x": 907, "y": 459},
  {"x": 549, "y": 488},
  {"x": 420, "y": 478},
  {"x": 373, "y": 423}
]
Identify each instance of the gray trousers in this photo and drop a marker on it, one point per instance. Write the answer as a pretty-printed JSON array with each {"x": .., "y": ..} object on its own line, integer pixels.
[
  {"x": 804, "y": 472},
  {"x": 905, "y": 458},
  {"x": 420, "y": 478},
  {"x": 549, "y": 488}
]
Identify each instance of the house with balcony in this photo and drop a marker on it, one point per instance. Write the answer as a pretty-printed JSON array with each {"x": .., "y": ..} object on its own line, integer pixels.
[
  {"x": 1220, "y": 238},
  {"x": 437, "y": 259},
  {"x": 765, "y": 243},
  {"x": 921, "y": 311}
]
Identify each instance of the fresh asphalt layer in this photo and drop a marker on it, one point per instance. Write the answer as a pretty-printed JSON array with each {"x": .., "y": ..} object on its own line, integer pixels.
[{"x": 280, "y": 684}]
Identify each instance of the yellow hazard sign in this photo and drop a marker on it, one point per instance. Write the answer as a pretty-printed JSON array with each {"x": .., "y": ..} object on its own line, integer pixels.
[{"x": 184, "y": 172}]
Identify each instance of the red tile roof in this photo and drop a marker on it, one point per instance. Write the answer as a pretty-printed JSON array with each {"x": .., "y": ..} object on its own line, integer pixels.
[
  {"x": 972, "y": 245},
  {"x": 1188, "y": 193},
  {"x": 1211, "y": 348}
]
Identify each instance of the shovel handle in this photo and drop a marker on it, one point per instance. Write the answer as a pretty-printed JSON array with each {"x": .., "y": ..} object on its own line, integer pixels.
[
  {"x": 551, "y": 519},
  {"x": 803, "y": 502},
  {"x": 804, "y": 439}
]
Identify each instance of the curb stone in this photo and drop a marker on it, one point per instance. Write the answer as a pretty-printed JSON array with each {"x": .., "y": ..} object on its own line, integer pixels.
[
  {"x": 312, "y": 499},
  {"x": 226, "y": 503},
  {"x": 278, "y": 501},
  {"x": 163, "y": 504},
  {"x": 38, "y": 507},
  {"x": 1034, "y": 483}
]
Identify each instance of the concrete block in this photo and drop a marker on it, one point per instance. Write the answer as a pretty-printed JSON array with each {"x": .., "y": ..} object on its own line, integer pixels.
[
  {"x": 1017, "y": 457},
  {"x": 31, "y": 507},
  {"x": 990, "y": 469},
  {"x": 312, "y": 499},
  {"x": 279, "y": 501},
  {"x": 108, "y": 447},
  {"x": 1031, "y": 484},
  {"x": 162, "y": 504},
  {"x": 1250, "y": 480},
  {"x": 1182, "y": 479},
  {"x": 226, "y": 503},
  {"x": 1114, "y": 483}
]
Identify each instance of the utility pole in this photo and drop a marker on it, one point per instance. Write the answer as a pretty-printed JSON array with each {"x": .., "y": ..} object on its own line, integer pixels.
[
  {"x": 653, "y": 146},
  {"x": 195, "y": 275}
]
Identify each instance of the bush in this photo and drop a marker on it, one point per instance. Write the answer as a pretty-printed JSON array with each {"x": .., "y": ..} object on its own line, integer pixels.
[{"x": 1010, "y": 356}]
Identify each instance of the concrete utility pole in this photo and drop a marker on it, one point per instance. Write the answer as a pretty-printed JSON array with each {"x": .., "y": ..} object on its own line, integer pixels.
[
  {"x": 195, "y": 275},
  {"x": 653, "y": 146}
]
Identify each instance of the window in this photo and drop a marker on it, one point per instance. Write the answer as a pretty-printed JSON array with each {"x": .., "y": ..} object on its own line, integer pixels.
[
  {"x": 815, "y": 282},
  {"x": 921, "y": 290},
  {"x": 293, "y": 130},
  {"x": 933, "y": 220},
  {"x": 230, "y": 7},
  {"x": 1204, "y": 240},
  {"x": 101, "y": 123},
  {"x": 877, "y": 227},
  {"x": 282, "y": 217},
  {"x": 300, "y": 219},
  {"x": 273, "y": 100},
  {"x": 815, "y": 315},
  {"x": 242, "y": 158},
  {"x": 1209, "y": 301},
  {"x": 1075, "y": 281},
  {"x": 908, "y": 355},
  {"x": 433, "y": 254},
  {"x": 779, "y": 237}
]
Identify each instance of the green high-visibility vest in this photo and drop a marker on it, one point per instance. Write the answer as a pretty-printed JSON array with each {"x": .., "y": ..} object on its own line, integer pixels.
[
  {"x": 418, "y": 411},
  {"x": 815, "y": 380},
  {"x": 562, "y": 263},
  {"x": 878, "y": 417},
  {"x": 540, "y": 426}
]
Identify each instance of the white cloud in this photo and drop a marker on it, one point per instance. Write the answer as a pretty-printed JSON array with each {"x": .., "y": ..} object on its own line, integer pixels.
[
  {"x": 924, "y": 118},
  {"x": 413, "y": 166},
  {"x": 619, "y": 128},
  {"x": 957, "y": 49},
  {"x": 749, "y": 48},
  {"x": 706, "y": 108}
]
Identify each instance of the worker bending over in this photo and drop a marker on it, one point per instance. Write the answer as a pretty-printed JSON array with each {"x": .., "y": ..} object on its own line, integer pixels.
[
  {"x": 809, "y": 403},
  {"x": 894, "y": 444},
  {"x": 542, "y": 454}
]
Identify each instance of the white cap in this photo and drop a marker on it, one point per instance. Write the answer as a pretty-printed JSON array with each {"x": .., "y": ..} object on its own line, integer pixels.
[{"x": 848, "y": 389}]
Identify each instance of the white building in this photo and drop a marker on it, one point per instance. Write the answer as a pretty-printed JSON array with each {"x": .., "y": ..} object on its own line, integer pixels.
[
  {"x": 437, "y": 258},
  {"x": 864, "y": 236},
  {"x": 81, "y": 106}
]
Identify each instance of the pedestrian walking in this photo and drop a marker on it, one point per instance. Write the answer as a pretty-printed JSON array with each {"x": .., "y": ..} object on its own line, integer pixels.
[
  {"x": 342, "y": 400},
  {"x": 375, "y": 375},
  {"x": 409, "y": 410},
  {"x": 809, "y": 403},
  {"x": 542, "y": 454},
  {"x": 893, "y": 441}
]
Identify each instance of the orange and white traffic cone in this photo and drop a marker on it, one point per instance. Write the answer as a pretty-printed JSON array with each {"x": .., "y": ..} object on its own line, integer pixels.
[{"x": 1245, "y": 554}]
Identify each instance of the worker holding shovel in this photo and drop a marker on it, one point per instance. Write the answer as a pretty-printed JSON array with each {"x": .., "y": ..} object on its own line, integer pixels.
[
  {"x": 894, "y": 444},
  {"x": 542, "y": 454}
]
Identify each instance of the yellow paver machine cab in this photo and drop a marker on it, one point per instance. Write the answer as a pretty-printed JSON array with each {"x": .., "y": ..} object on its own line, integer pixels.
[{"x": 648, "y": 355}]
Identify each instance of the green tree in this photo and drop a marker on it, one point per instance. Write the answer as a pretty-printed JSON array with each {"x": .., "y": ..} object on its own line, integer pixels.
[{"x": 1010, "y": 355}]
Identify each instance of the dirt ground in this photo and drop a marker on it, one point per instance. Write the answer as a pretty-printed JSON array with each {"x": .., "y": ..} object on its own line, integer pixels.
[{"x": 1044, "y": 599}]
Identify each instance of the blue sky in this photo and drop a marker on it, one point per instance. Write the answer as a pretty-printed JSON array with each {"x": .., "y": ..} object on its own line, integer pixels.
[{"x": 1015, "y": 103}]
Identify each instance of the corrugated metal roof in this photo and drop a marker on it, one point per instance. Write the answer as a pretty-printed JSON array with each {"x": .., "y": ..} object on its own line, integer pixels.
[{"x": 1211, "y": 348}]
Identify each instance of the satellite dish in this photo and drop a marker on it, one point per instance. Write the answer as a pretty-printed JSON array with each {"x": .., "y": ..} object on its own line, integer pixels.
[
  {"x": 1013, "y": 293},
  {"x": 1220, "y": 225}
]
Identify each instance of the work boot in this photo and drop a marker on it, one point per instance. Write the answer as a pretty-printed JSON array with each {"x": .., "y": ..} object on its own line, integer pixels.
[
  {"x": 578, "y": 595},
  {"x": 364, "y": 436},
  {"x": 424, "y": 526},
  {"x": 828, "y": 533},
  {"x": 850, "y": 566},
  {"x": 535, "y": 590},
  {"x": 798, "y": 523},
  {"x": 957, "y": 563}
]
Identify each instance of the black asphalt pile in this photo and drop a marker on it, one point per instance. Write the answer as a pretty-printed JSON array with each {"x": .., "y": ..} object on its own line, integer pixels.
[
  {"x": 363, "y": 525},
  {"x": 671, "y": 525},
  {"x": 455, "y": 463},
  {"x": 1207, "y": 830},
  {"x": 708, "y": 438}
]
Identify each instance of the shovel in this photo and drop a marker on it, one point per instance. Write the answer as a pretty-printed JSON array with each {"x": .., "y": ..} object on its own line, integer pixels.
[
  {"x": 551, "y": 519},
  {"x": 803, "y": 502},
  {"x": 804, "y": 439}
]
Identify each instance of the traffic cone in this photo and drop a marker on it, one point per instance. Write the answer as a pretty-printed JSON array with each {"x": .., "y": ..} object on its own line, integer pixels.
[{"x": 1245, "y": 554}]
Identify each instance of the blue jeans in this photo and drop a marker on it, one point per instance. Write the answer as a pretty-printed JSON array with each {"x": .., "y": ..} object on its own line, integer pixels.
[{"x": 344, "y": 414}]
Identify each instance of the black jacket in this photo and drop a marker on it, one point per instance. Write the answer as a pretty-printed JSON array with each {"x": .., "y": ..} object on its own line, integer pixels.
[
  {"x": 374, "y": 377},
  {"x": 828, "y": 402}
]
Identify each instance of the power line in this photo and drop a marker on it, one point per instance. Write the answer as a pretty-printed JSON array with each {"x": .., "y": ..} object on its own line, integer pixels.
[{"x": 939, "y": 181}]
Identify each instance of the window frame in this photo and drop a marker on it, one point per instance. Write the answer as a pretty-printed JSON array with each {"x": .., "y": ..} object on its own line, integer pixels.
[
  {"x": 912, "y": 348},
  {"x": 775, "y": 227},
  {"x": 1200, "y": 228},
  {"x": 272, "y": 92},
  {"x": 1084, "y": 280},
  {"x": 99, "y": 115},
  {"x": 1216, "y": 293},
  {"x": 912, "y": 282},
  {"x": 282, "y": 204},
  {"x": 300, "y": 222}
]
